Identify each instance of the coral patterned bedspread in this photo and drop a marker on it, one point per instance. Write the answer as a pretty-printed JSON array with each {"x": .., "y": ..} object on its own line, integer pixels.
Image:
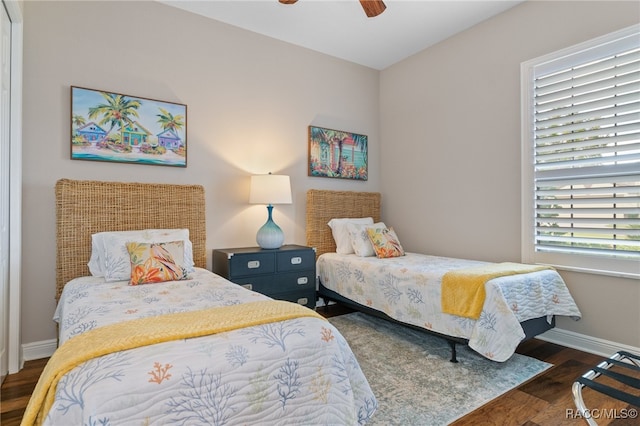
[
  {"x": 298, "y": 371},
  {"x": 408, "y": 289}
]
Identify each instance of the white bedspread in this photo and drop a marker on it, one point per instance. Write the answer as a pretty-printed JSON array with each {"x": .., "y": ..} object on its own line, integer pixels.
[
  {"x": 299, "y": 371},
  {"x": 408, "y": 289}
]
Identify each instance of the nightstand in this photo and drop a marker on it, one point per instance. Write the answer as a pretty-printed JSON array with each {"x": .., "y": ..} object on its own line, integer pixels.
[{"x": 287, "y": 273}]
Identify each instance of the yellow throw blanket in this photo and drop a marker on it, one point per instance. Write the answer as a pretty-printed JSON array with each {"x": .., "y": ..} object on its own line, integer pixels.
[
  {"x": 463, "y": 291},
  {"x": 148, "y": 331}
]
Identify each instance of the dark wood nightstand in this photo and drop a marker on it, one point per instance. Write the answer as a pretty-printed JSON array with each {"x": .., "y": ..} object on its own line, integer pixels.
[{"x": 287, "y": 273}]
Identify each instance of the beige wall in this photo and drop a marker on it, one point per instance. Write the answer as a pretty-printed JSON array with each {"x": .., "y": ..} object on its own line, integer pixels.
[
  {"x": 443, "y": 126},
  {"x": 450, "y": 151},
  {"x": 249, "y": 99}
]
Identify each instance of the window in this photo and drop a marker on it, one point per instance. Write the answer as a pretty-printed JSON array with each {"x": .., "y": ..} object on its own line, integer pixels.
[{"x": 581, "y": 156}]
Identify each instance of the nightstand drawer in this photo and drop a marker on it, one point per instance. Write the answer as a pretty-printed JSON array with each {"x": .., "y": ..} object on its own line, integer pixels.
[
  {"x": 251, "y": 264},
  {"x": 295, "y": 281},
  {"x": 272, "y": 284},
  {"x": 307, "y": 298},
  {"x": 295, "y": 260},
  {"x": 261, "y": 283}
]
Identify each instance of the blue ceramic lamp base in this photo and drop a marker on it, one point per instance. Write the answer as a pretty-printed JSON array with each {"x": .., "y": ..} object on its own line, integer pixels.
[{"x": 270, "y": 236}]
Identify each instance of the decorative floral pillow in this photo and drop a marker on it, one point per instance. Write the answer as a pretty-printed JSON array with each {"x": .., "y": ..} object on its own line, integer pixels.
[
  {"x": 156, "y": 262},
  {"x": 360, "y": 238},
  {"x": 385, "y": 242},
  {"x": 112, "y": 255}
]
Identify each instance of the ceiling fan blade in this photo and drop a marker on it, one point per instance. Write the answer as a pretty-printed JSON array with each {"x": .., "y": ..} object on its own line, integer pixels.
[{"x": 372, "y": 7}]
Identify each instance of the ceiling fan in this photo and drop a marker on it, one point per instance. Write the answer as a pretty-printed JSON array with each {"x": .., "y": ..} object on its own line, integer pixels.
[{"x": 371, "y": 7}]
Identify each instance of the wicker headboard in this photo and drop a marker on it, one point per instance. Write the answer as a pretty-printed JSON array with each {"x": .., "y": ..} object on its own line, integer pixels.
[
  {"x": 324, "y": 205},
  {"x": 86, "y": 207}
]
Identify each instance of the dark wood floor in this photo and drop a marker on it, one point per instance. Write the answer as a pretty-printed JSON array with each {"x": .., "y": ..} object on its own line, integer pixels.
[{"x": 544, "y": 400}]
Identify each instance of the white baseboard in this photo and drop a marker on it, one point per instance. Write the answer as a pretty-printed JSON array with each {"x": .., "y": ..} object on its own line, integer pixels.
[
  {"x": 585, "y": 343},
  {"x": 582, "y": 342},
  {"x": 38, "y": 350}
]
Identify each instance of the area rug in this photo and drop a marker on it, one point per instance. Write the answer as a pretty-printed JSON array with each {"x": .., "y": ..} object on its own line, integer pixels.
[{"x": 415, "y": 383}]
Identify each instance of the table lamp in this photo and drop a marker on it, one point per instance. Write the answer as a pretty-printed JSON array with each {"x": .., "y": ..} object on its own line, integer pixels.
[{"x": 270, "y": 189}]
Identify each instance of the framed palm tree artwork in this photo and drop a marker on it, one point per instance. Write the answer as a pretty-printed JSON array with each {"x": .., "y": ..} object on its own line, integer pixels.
[
  {"x": 337, "y": 154},
  {"x": 107, "y": 126}
]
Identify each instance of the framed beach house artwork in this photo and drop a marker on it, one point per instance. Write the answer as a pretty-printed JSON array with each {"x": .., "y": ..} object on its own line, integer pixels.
[
  {"x": 337, "y": 154},
  {"x": 107, "y": 126}
]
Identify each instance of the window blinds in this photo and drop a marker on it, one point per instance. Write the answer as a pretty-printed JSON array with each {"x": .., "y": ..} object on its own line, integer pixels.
[{"x": 587, "y": 152}]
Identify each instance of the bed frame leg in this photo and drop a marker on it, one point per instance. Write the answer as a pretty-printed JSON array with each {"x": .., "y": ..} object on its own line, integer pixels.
[
  {"x": 325, "y": 303},
  {"x": 454, "y": 357}
]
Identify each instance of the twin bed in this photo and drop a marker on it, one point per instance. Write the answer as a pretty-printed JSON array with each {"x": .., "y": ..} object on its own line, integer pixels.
[
  {"x": 196, "y": 351},
  {"x": 518, "y": 305}
]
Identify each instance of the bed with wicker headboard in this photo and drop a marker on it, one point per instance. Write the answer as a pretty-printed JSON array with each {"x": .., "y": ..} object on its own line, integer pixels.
[
  {"x": 324, "y": 205},
  {"x": 85, "y": 207},
  {"x": 193, "y": 335},
  {"x": 395, "y": 289}
]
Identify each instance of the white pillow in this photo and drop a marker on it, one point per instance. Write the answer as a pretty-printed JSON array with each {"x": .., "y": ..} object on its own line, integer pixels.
[
  {"x": 96, "y": 266},
  {"x": 341, "y": 234},
  {"x": 360, "y": 238},
  {"x": 113, "y": 257}
]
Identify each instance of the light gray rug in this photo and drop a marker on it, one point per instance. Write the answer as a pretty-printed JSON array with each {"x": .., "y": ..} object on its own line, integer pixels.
[{"x": 413, "y": 379}]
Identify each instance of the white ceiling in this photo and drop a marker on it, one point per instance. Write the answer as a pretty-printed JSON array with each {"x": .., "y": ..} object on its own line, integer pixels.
[{"x": 340, "y": 28}]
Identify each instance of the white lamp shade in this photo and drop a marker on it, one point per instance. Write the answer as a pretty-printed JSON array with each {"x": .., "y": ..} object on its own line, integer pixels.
[{"x": 270, "y": 189}]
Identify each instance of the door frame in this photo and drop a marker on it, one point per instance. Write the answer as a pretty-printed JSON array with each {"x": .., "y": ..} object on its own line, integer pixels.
[{"x": 14, "y": 349}]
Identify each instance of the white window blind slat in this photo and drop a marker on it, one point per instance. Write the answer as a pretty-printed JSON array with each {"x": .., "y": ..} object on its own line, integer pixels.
[
  {"x": 616, "y": 173},
  {"x": 619, "y": 193},
  {"x": 595, "y": 221},
  {"x": 576, "y": 191},
  {"x": 592, "y": 252},
  {"x": 547, "y": 234},
  {"x": 547, "y": 214},
  {"x": 590, "y": 161},
  {"x": 577, "y": 202}
]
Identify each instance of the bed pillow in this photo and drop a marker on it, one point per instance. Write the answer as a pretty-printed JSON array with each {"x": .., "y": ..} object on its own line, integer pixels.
[
  {"x": 341, "y": 235},
  {"x": 113, "y": 254},
  {"x": 96, "y": 266},
  {"x": 385, "y": 242},
  {"x": 156, "y": 262},
  {"x": 360, "y": 238}
]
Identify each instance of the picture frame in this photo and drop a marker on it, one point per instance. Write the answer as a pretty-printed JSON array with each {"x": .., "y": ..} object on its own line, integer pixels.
[
  {"x": 110, "y": 126},
  {"x": 337, "y": 154}
]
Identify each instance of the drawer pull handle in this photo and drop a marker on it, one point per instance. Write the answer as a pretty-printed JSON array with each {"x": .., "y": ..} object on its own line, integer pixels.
[
  {"x": 253, "y": 264},
  {"x": 296, "y": 260},
  {"x": 302, "y": 280},
  {"x": 303, "y": 301},
  {"x": 248, "y": 286}
]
